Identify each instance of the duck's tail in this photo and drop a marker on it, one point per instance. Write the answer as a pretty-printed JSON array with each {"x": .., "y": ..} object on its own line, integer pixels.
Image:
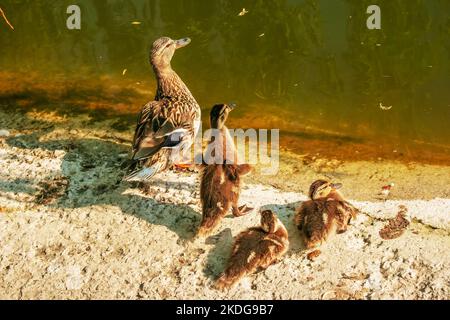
[
  {"x": 230, "y": 277},
  {"x": 143, "y": 174},
  {"x": 210, "y": 221}
]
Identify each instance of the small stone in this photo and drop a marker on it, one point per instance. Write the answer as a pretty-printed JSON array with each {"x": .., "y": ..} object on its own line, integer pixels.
[{"x": 4, "y": 133}]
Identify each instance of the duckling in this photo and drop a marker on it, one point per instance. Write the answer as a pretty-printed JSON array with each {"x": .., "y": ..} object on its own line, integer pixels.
[
  {"x": 220, "y": 184},
  {"x": 325, "y": 214},
  {"x": 167, "y": 125},
  {"x": 255, "y": 248}
]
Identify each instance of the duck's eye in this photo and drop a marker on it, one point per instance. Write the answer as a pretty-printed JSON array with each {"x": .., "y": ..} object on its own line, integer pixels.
[{"x": 168, "y": 45}]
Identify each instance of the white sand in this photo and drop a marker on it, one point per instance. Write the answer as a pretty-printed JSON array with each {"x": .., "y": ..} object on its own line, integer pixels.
[{"x": 101, "y": 238}]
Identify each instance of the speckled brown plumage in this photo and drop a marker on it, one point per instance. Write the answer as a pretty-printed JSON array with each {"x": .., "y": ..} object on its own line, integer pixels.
[
  {"x": 220, "y": 189},
  {"x": 167, "y": 124},
  {"x": 255, "y": 248}
]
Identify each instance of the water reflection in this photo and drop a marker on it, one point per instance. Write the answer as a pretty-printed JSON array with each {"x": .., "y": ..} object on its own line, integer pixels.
[{"x": 306, "y": 66}]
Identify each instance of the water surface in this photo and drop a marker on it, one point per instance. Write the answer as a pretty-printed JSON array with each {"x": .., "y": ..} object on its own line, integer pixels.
[{"x": 308, "y": 67}]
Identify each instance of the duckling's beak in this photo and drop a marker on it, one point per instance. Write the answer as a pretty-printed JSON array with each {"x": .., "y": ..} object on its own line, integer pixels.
[
  {"x": 182, "y": 42},
  {"x": 336, "y": 185},
  {"x": 231, "y": 106}
]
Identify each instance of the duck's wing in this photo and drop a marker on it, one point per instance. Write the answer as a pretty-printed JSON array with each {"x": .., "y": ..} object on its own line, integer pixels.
[{"x": 156, "y": 129}]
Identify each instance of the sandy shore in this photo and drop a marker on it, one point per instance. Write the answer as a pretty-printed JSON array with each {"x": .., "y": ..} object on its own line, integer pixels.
[{"x": 69, "y": 228}]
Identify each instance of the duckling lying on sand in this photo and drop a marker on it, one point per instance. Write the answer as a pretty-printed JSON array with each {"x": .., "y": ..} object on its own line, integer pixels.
[
  {"x": 254, "y": 248},
  {"x": 325, "y": 214}
]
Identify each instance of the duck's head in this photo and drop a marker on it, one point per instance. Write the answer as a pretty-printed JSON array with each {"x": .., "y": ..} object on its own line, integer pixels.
[
  {"x": 269, "y": 221},
  {"x": 163, "y": 50},
  {"x": 322, "y": 189},
  {"x": 219, "y": 115}
]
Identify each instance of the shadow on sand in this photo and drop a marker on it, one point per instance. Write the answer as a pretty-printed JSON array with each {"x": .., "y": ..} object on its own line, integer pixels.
[{"x": 93, "y": 170}]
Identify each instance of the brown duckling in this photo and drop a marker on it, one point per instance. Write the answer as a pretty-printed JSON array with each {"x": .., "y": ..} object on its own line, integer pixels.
[
  {"x": 325, "y": 214},
  {"x": 220, "y": 184},
  {"x": 255, "y": 248}
]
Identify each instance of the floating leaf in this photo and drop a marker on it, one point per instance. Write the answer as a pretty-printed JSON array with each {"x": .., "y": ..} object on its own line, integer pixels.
[
  {"x": 243, "y": 12},
  {"x": 384, "y": 107}
]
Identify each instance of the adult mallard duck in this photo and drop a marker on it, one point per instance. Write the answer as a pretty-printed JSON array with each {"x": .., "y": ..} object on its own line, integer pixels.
[{"x": 166, "y": 126}]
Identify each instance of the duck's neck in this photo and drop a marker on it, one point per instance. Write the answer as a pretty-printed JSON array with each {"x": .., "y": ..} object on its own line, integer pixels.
[
  {"x": 223, "y": 140},
  {"x": 171, "y": 85},
  {"x": 281, "y": 231},
  {"x": 228, "y": 146}
]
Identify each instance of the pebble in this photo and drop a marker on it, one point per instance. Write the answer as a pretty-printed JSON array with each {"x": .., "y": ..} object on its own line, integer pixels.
[{"x": 4, "y": 133}]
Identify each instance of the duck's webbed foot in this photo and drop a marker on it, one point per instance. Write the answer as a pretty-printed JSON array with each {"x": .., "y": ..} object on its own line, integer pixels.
[
  {"x": 314, "y": 243},
  {"x": 341, "y": 230},
  {"x": 183, "y": 167},
  {"x": 241, "y": 211},
  {"x": 143, "y": 187}
]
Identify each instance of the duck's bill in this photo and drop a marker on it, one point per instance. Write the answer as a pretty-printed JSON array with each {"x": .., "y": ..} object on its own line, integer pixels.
[
  {"x": 231, "y": 106},
  {"x": 336, "y": 185},
  {"x": 182, "y": 42}
]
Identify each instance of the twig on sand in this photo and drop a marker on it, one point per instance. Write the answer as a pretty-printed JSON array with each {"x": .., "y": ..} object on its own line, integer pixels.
[{"x": 6, "y": 19}]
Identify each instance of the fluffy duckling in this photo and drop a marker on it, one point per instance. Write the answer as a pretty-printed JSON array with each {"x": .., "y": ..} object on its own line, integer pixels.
[
  {"x": 220, "y": 184},
  {"x": 325, "y": 214},
  {"x": 255, "y": 248}
]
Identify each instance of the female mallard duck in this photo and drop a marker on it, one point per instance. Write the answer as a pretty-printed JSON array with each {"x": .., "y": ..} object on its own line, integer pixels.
[
  {"x": 166, "y": 126},
  {"x": 255, "y": 248},
  {"x": 220, "y": 184},
  {"x": 326, "y": 213}
]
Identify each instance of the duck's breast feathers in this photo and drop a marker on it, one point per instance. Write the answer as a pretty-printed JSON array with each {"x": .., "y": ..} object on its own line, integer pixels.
[{"x": 161, "y": 124}]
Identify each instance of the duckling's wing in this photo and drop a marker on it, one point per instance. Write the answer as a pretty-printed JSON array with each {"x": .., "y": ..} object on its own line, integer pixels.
[
  {"x": 252, "y": 249},
  {"x": 270, "y": 249},
  {"x": 242, "y": 259}
]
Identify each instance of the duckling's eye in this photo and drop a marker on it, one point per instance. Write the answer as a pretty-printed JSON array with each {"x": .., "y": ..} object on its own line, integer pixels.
[{"x": 168, "y": 45}]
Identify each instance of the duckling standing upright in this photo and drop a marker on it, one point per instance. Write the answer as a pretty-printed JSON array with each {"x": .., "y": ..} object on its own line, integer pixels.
[
  {"x": 166, "y": 126},
  {"x": 255, "y": 248},
  {"x": 326, "y": 213},
  {"x": 220, "y": 184}
]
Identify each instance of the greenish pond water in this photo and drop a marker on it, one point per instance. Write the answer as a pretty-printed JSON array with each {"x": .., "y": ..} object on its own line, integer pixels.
[{"x": 304, "y": 66}]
